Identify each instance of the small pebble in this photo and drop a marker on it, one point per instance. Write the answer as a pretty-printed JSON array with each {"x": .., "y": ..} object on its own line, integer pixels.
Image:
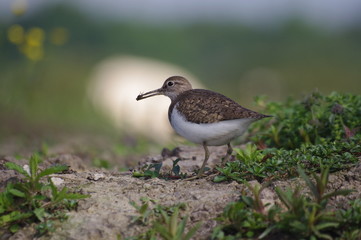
[
  {"x": 98, "y": 176},
  {"x": 57, "y": 181},
  {"x": 26, "y": 168}
]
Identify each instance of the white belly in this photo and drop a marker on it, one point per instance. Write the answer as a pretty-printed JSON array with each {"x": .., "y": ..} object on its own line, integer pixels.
[{"x": 213, "y": 134}]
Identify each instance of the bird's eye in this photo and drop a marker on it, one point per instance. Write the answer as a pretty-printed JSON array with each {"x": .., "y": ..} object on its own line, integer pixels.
[{"x": 170, "y": 84}]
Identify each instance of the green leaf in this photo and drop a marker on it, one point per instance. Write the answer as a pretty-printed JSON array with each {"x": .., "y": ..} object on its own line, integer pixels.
[
  {"x": 176, "y": 170},
  {"x": 175, "y": 162},
  {"x": 164, "y": 215},
  {"x": 52, "y": 170},
  {"x": 325, "y": 171},
  {"x": 45, "y": 227},
  {"x": 174, "y": 222},
  {"x": 309, "y": 183},
  {"x": 342, "y": 192},
  {"x": 7, "y": 218},
  {"x": 248, "y": 200},
  {"x": 163, "y": 231},
  {"x": 17, "y": 193},
  {"x": 15, "y": 167},
  {"x": 192, "y": 231},
  {"x": 138, "y": 174},
  {"x": 267, "y": 231},
  {"x": 39, "y": 213},
  {"x": 321, "y": 226},
  {"x": 54, "y": 189},
  {"x": 40, "y": 197},
  {"x": 143, "y": 208},
  {"x": 284, "y": 197},
  {"x": 34, "y": 161},
  {"x": 218, "y": 179},
  {"x": 60, "y": 195},
  {"x": 75, "y": 196},
  {"x": 14, "y": 228},
  {"x": 150, "y": 173},
  {"x": 13, "y": 216},
  {"x": 156, "y": 166},
  {"x": 181, "y": 227}
]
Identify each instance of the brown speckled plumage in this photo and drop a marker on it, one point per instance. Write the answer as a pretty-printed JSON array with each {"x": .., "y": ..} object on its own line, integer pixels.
[{"x": 204, "y": 106}]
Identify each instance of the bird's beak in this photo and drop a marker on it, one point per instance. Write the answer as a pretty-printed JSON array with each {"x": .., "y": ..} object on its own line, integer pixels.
[{"x": 150, "y": 94}]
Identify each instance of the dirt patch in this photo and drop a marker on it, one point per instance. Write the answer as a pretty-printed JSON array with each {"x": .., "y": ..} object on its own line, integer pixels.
[{"x": 107, "y": 213}]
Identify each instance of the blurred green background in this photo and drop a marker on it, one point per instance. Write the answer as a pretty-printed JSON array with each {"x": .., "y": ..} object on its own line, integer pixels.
[{"x": 48, "y": 57}]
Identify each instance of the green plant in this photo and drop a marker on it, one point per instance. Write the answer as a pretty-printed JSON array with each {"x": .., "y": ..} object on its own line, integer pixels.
[
  {"x": 171, "y": 229},
  {"x": 351, "y": 221},
  {"x": 33, "y": 200},
  {"x": 164, "y": 221},
  {"x": 144, "y": 210},
  {"x": 255, "y": 203},
  {"x": 238, "y": 222},
  {"x": 247, "y": 218},
  {"x": 320, "y": 130},
  {"x": 317, "y": 119},
  {"x": 308, "y": 217},
  {"x": 147, "y": 172},
  {"x": 272, "y": 163},
  {"x": 318, "y": 189},
  {"x": 153, "y": 170},
  {"x": 301, "y": 217}
]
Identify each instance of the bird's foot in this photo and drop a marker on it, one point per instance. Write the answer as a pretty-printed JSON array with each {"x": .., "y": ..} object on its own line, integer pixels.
[
  {"x": 195, "y": 177},
  {"x": 211, "y": 176},
  {"x": 207, "y": 176}
]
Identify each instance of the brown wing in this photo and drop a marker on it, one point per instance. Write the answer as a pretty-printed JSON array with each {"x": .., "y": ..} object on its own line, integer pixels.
[{"x": 204, "y": 106}]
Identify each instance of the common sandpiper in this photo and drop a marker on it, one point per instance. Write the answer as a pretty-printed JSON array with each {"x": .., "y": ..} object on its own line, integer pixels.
[{"x": 203, "y": 116}]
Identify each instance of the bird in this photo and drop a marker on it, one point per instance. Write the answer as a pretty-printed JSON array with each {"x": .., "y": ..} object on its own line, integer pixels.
[{"x": 203, "y": 116}]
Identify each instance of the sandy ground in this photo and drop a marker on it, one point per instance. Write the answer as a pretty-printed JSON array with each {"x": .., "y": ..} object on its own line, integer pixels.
[{"x": 108, "y": 213}]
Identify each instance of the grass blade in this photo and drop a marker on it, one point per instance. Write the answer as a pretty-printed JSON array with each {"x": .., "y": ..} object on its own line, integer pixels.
[
  {"x": 163, "y": 231},
  {"x": 174, "y": 222},
  {"x": 34, "y": 161},
  {"x": 75, "y": 196},
  {"x": 342, "y": 192},
  {"x": 308, "y": 181},
  {"x": 39, "y": 213},
  {"x": 282, "y": 195},
  {"x": 52, "y": 170},
  {"x": 192, "y": 231},
  {"x": 17, "y": 193},
  {"x": 181, "y": 227}
]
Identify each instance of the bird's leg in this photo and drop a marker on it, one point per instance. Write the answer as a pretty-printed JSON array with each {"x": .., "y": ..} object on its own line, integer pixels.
[
  {"x": 201, "y": 170},
  {"x": 206, "y": 156},
  {"x": 229, "y": 153}
]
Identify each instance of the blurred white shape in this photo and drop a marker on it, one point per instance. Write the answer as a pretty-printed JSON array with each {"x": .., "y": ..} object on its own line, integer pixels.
[{"x": 116, "y": 83}]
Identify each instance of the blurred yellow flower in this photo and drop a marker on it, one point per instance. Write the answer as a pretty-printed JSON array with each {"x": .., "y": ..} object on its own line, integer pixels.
[
  {"x": 34, "y": 53},
  {"x": 16, "y": 34},
  {"x": 31, "y": 42},
  {"x": 35, "y": 36}
]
